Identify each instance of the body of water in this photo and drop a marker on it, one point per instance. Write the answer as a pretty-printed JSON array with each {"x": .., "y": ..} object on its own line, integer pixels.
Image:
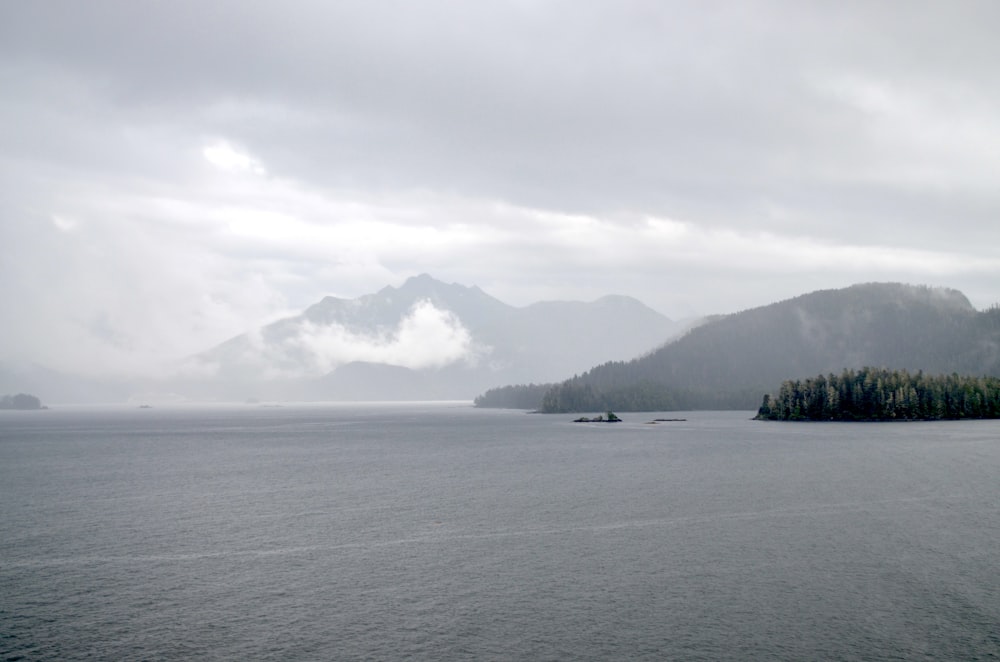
[{"x": 442, "y": 532}]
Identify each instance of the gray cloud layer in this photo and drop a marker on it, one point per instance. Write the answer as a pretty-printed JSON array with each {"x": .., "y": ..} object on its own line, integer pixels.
[{"x": 174, "y": 173}]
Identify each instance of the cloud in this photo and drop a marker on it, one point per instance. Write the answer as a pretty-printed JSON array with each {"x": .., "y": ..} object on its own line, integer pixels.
[
  {"x": 226, "y": 157},
  {"x": 426, "y": 337},
  {"x": 175, "y": 174},
  {"x": 64, "y": 223}
]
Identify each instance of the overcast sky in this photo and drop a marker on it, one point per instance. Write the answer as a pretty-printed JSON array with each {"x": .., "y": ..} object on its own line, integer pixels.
[{"x": 175, "y": 173}]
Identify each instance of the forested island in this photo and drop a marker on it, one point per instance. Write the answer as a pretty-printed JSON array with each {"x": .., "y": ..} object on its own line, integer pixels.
[
  {"x": 20, "y": 401},
  {"x": 878, "y": 394}
]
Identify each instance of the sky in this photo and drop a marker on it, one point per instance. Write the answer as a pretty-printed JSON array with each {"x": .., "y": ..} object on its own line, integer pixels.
[{"x": 175, "y": 173}]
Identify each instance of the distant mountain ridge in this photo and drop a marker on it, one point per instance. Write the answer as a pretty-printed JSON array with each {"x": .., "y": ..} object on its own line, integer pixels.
[
  {"x": 429, "y": 340},
  {"x": 731, "y": 361}
]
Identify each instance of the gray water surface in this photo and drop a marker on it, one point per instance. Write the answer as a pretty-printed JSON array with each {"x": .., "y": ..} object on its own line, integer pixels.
[{"x": 439, "y": 531}]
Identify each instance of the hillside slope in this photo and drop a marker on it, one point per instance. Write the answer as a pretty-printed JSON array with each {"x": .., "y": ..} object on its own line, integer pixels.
[{"x": 731, "y": 361}]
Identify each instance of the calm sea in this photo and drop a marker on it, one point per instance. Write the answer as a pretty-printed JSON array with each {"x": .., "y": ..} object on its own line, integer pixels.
[{"x": 442, "y": 532}]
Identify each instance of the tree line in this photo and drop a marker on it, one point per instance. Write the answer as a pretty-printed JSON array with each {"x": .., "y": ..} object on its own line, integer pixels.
[
  {"x": 878, "y": 394},
  {"x": 519, "y": 396},
  {"x": 577, "y": 395}
]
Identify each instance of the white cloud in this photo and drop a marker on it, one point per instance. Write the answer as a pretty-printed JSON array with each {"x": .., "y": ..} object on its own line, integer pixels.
[
  {"x": 64, "y": 223},
  {"x": 924, "y": 134},
  {"x": 427, "y": 337},
  {"x": 154, "y": 202},
  {"x": 226, "y": 157}
]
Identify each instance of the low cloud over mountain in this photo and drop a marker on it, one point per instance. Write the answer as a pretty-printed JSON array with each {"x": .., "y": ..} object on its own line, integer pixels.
[{"x": 426, "y": 339}]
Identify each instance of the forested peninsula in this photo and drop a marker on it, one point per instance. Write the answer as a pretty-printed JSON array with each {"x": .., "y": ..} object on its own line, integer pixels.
[{"x": 878, "y": 394}]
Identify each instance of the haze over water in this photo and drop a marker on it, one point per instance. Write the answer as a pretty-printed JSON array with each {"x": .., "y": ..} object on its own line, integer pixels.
[{"x": 437, "y": 531}]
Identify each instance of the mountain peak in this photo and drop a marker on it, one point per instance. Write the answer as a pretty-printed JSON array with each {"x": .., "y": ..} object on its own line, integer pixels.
[
  {"x": 423, "y": 283},
  {"x": 458, "y": 298},
  {"x": 424, "y": 278},
  {"x": 426, "y": 284},
  {"x": 940, "y": 297},
  {"x": 458, "y": 338}
]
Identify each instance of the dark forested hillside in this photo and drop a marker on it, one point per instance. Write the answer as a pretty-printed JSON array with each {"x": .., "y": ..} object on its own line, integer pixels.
[{"x": 732, "y": 361}]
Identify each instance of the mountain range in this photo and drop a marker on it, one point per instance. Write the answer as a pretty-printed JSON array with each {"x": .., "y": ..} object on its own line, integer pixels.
[
  {"x": 732, "y": 360},
  {"x": 428, "y": 340},
  {"x": 423, "y": 340}
]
